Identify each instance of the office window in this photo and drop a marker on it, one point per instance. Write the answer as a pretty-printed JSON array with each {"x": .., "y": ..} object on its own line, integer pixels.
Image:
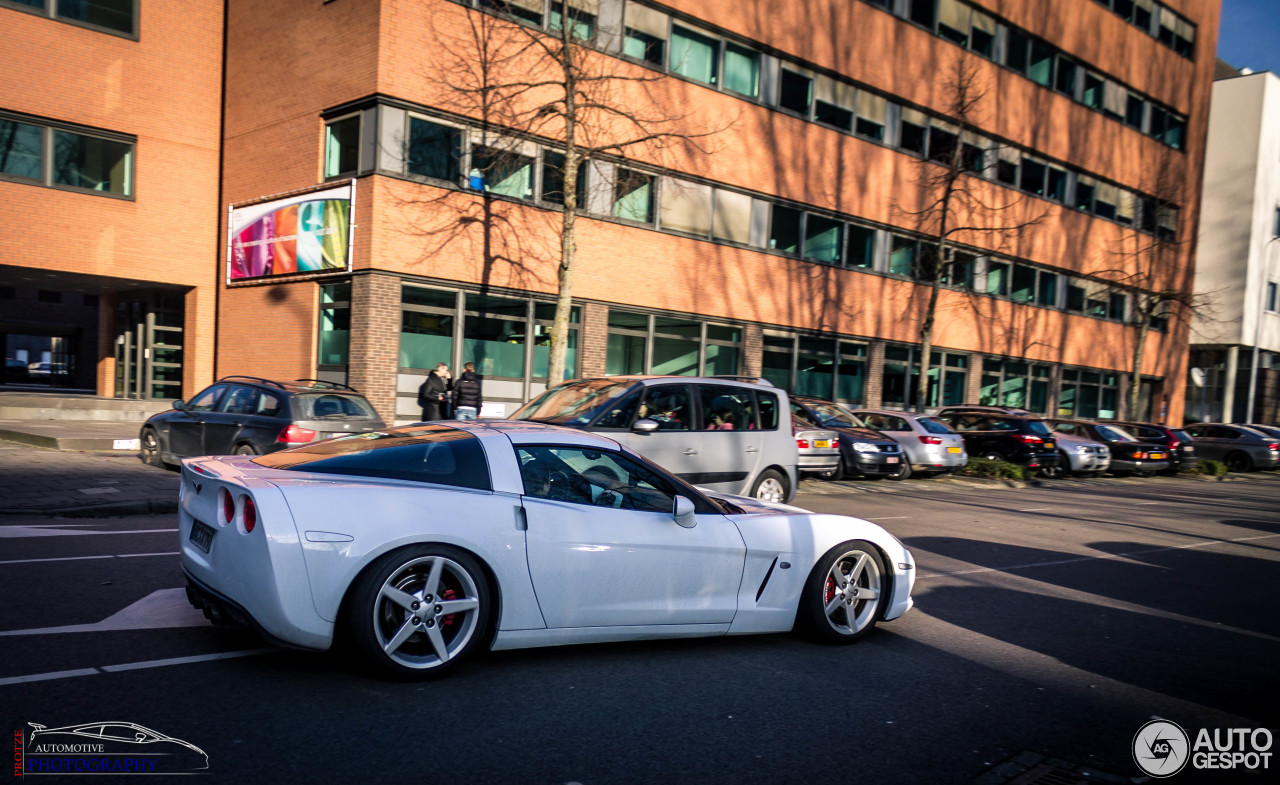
[
  {"x": 911, "y": 135},
  {"x": 1047, "y": 289},
  {"x": 1033, "y": 176},
  {"x": 504, "y": 172},
  {"x": 833, "y": 103},
  {"x": 779, "y": 351},
  {"x": 694, "y": 55},
  {"x": 1167, "y": 223},
  {"x": 862, "y": 243},
  {"x": 902, "y": 255},
  {"x": 1126, "y": 206},
  {"x": 973, "y": 152},
  {"x": 1168, "y": 27},
  {"x": 1117, "y": 307},
  {"x": 1184, "y": 42},
  {"x": 582, "y": 23},
  {"x": 112, "y": 14},
  {"x": 93, "y": 163},
  {"x": 1094, "y": 90},
  {"x": 1084, "y": 193},
  {"x": 1174, "y": 130},
  {"x": 553, "y": 179},
  {"x": 1024, "y": 284},
  {"x": 982, "y": 34},
  {"x": 1141, "y": 13},
  {"x": 544, "y": 317},
  {"x": 997, "y": 278},
  {"x": 822, "y": 239},
  {"x": 1075, "y": 297},
  {"x": 685, "y": 206},
  {"x": 633, "y": 196},
  {"x": 1273, "y": 297},
  {"x": 732, "y": 220},
  {"x": 1065, "y": 76},
  {"x": 645, "y": 34},
  {"x": 960, "y": 271},
  {"x": 872, "y": 110},
  {"x": 342, "y": 147},
  {"x": 1008, "y": 161},
  {"x": 529, "y": 11},
  {"x": 722, "y": 350},
  {"x": 676, "y": 345},
  {"x": 1133, "y": 111},
  {"x": 627, "y": 341},
  {"x": 1040, "y": 67},
  {"x": 795, "y": 92},
  {"x": 741, "y": 70},
  {"x": 943, "y": 139},
  {"x": 1114, "y": 100},
  {"x": 953, "y": 21},
  {"x": 921, "y": 12},
  {"x": 784, "y": 229},
  {"x": 1056, "y": 184},
  {"x": 335, "y": 323},
  {"x": 434, "y": 150},
  {"x": 1105, "y": 198},
  {"x": 1017, "y": 51},
  {"x": 21, "y": 150},
  {"x": 493, "y": 335}
]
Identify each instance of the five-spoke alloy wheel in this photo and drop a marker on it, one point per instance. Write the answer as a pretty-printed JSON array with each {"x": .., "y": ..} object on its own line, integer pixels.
[
  {"x": 419, "y": 611},
  {"x": 845, "y": 594}
]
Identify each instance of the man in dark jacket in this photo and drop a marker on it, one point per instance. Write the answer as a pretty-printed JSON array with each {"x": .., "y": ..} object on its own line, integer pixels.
[
  {"x": 467, "y": 398},
  {"x": 433, "y": 395}
]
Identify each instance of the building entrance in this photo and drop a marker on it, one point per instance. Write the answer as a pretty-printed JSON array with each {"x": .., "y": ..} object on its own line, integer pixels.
[{"x": 149, "y": 345}]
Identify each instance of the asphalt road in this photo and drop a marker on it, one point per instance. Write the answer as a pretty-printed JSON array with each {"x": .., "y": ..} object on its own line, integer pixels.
[{"x": 1049, "y": 622}]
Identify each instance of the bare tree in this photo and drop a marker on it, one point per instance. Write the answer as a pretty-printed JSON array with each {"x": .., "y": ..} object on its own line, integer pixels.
[
  {"x": 954, "y": 203},
  {"x": 522, "y": 82}
]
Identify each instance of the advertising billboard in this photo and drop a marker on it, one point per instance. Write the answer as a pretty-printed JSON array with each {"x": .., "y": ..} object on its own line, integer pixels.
[{"x": 304, "y": 233}]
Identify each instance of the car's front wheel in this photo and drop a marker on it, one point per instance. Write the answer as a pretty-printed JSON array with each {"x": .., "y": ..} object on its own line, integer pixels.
[
  {"x": 419, "y": 611},
  {"x": 770, "y": 486},
  {"x": 150, "y": 443},
  {"x": 845, "y": 594},
  {"x": 244, "y": 449},
  {"x": 903, "y": 471}
]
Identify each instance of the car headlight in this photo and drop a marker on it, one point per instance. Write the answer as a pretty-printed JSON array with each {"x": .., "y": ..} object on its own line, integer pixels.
[
  {"x": 864, "y": 447},
  {"x": 1082, "y": 449}
]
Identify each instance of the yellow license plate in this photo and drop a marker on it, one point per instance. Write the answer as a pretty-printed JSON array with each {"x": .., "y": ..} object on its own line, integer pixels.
[
  {"x": 1048, "y": 445},
  {"x": 953, "y": 449},
  {"x": 821, "y": 442},
  {"x": 1156, "y": 456}
]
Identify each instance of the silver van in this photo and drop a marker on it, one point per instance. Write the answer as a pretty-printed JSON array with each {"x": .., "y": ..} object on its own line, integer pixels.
[{"x": 723, "y": 434}]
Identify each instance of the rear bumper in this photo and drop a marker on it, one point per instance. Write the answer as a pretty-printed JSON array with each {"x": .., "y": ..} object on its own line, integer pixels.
[
  {"x": 818, "y": 463},
  {"x": 1130, "y": 465}
]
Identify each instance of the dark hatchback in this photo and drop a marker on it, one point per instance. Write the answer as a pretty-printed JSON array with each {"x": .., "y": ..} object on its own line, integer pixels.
[
  {"x": 1004, "y": 437},
  {"x": 863, "y": 451},
  {"x": 1129, "y": 455},
  {"x": 246, "y": 415},
  {"x": 1182, "y": 453}
]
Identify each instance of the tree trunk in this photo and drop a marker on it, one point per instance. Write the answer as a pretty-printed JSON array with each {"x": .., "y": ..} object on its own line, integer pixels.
[
  {"x": 1135, "y": 382},
  {"x": 564, "y": 278}
]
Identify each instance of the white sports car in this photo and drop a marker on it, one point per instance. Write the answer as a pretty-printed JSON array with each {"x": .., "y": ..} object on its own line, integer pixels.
[{"x": 426, "y": 542}]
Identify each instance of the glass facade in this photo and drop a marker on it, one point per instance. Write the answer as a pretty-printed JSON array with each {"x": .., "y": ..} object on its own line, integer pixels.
[
  {"x": 640, "y": 343},
  {"x": 335, "y": 324}
]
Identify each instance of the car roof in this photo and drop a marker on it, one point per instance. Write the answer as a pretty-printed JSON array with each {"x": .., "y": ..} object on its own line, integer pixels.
[
  {"x": 738, "y": 381},
  {"x": 532, "y": 432},
  {"x": 893, "y": 412},
  {"x": 293, "y": 387}
]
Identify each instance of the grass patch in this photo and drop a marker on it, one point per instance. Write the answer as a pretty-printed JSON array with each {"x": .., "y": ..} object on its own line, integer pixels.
[
  {"x": 1209, "y": 468},
  {"x": 994, "y": 470}
]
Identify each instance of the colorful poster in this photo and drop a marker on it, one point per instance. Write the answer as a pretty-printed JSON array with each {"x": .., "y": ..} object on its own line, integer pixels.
[{"x": 307, "y": 233}]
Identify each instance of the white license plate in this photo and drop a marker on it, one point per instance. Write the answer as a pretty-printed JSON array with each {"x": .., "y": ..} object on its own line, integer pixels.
[
  {"x": 821, "y": 442},
  {"x": 891, "y": 459}
]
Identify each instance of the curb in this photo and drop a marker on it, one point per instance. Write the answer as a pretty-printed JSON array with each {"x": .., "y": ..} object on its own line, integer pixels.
[{"x": 106, "y": 510}]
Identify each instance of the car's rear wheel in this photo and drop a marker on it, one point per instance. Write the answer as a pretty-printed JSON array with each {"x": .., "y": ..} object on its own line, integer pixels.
[
  {"x": 992, "y": 455},
  {"x": 770, "y": 486},
  {"x": 420, "y": 611},
  {"x": 1239, "y": 462},
  {"x": 150, "y": 444},
  {"x": 244, "y": 449},
  {"x": 845, "y": 593},
  {"x": 1060, "y": 470}
]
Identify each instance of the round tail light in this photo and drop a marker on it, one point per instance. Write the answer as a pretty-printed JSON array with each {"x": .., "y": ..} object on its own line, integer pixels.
[
  {"x": 228, "y": 506},
  {"x": 250, "y": 514}
]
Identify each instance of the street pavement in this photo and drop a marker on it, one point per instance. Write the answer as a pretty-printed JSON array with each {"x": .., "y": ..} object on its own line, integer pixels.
[
  {"x": 1051, "y": 623},
  {"x": 44, "y": 481}
]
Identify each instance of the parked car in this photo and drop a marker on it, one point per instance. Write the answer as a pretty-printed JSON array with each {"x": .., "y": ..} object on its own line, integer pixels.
[
  {"x": 928, "y": 444},
  {"x": 16, "y": 371},
  {"x": 863, "y": 452},
  {"x": 1182, "y": 453},
  {"x": 725, "y": 434},
  {"x": 608, "y": 547},
  {"x": 818, "y": 450},
  {"x": 1241, "y": 449},
  {"x": 247, "y": 415},
  {"x": 1267, "y": 430},
  {"x": 1077, "y": 453},
  {"x": 1005, "y": 437},
  {"x": 978, "y": 407},
  {"x": 1128, "y": 455}
]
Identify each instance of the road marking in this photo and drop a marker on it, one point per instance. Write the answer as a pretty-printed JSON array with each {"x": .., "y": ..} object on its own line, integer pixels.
[
  {"x": 132, "y": 666},
  {"x": 79, "y": 558},
  {"x": 1079, "y": 559},
  {"x": 1141, "y": 504},
  {"x": 163, "y": 609},
  {"x": 889, "y": 518},
  {"x": 41, "y": 531},
  {"x": 1036, "y": 509}
]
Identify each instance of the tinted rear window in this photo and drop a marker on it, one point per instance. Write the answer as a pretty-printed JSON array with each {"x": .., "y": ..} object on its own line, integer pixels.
[
  {"x": 332, "y": 406},
  {"x": 931, "y": 425},
  {"x": 1038, "y": 428},
  {"x": 425, "y": 453},
  {"x": 1181, "y": 436}
]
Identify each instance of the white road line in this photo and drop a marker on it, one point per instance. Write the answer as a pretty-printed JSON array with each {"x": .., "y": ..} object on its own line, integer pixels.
[
  {"x": 132, "y": 666},
  {"x": 36, "y": 531},
  {"x": 79, "y": 558},
  {"x": 1111, "y": 556},
  {"x": 890, "y": 518},
  {"x": 1141, "y": 504},
  {"x": 1036, "y": 509}
]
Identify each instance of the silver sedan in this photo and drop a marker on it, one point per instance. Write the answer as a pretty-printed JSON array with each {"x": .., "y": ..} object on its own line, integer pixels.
[{"x": 928, "y": 444}]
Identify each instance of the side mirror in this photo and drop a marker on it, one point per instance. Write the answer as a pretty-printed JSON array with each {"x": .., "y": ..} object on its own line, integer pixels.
[
  {"x": 683, "y": 512},
  {"x": 180, "y": 405},
  {"x": 644, "y": 425}
]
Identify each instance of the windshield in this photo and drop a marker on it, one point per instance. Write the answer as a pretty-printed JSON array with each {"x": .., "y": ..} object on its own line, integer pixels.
[
  {"x": 1114, "y": 433},
  {"x": 830, "y": 415},
  {"x": 572, "y": 404}
]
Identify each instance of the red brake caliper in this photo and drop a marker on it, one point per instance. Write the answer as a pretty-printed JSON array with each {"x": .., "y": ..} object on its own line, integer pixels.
[
  {"x": 447, "y": 594},
  {"x": 830, "y": 593}
]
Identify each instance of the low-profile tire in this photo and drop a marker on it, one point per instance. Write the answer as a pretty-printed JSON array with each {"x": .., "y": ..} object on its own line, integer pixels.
[
  {"x": 1239, "y": 462},
  {"x": 150, "y": 448},
  {"x": 244, "y": 449},
  {"x": 770, "y": 486},
  {"x": 405, "y": 635},
  {"x": 844, "y": 595},
  {"x": 904, "y": 469}
]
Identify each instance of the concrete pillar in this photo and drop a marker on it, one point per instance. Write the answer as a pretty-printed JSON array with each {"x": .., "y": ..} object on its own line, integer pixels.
[
  {"x": 593, "y": 339},
  {"x": 374, "y": 357},
  {"x": 1229, "y": 384},
  {"x": 198, "y": 326},
  {"x": 973, "y": 384},
  {"x": 752, "y": 351},
  {"x": 875, "y": 374},
  {"x": 106, "y": 364}
]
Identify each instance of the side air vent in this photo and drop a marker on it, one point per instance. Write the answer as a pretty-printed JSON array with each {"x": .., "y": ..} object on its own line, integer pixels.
[{"x": 767, "y": 576}]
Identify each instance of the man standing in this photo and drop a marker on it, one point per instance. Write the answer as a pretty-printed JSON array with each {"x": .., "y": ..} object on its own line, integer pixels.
[
  {"x": 433, "y": 395},
  {"x": 467, "y": 397}
]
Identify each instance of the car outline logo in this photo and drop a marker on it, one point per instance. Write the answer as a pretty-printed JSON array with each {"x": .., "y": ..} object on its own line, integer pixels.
[{"x": 84, "y": 732}]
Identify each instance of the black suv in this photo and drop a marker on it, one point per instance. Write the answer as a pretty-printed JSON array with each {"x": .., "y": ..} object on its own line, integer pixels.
[
  {"x": 1004, "y": 437},
  {"x": 246, "y": 415},
  {"x": 863, "y": 451},
  {"x": 1182, "y": 453},
  {"x": 1128, "y": 455}
]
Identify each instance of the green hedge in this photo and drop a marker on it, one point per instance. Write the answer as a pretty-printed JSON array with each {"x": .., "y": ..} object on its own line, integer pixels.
[
  {"x": 1210, "y": 467},
  {"x": 998, "y": 470}
]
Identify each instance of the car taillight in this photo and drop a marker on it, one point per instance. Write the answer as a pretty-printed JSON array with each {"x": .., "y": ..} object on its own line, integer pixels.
[
  {"x": 250, "y": 513},
  {"x": 295, "y": 435},
  {"x": 228, "y": 506},
  {"x": 1140, "y": 455},
  {"x": 1173, "y": 444},
  {"x": 930, "y": 439},
  {"x": 1274, "y": 447},
  {"x": 1030, "y": 439},
  {"x": 802, "y": 444}
]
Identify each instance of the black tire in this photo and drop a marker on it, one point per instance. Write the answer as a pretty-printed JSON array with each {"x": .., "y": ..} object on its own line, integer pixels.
[
  {"x": 244, "y": 449},
  {"x": 1057, "y": 472},
  {"x": 832, "y": 474},
  {"x": 1239, "y": 462},
  {"x": 375, "y": 620},
  {"x": 821, "y": 591},
  {"x": 770, "y": 486},
  {"x": 150, "y": 448},
  {"x": 992, "y": 455},
  {"x": 904, "y": 469}
]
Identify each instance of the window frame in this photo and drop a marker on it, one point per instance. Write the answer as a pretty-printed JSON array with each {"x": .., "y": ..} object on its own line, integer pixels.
[
  {"x": 48, "y": 154},
  {"x": 48, "y": 9}
]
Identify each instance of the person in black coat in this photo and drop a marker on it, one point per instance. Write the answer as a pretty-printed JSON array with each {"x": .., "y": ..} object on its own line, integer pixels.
[
  {"x": 467, "y": 397},
  {"x": 433, "y": 395}
]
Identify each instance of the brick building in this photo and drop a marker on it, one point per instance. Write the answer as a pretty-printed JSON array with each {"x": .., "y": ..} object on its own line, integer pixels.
[{"x": 781, "y": 237}]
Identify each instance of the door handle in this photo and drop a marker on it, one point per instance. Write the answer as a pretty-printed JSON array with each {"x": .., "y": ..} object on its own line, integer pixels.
[
  {"x": 690, "y": 451},
  {"x": 752, "y": 449}
]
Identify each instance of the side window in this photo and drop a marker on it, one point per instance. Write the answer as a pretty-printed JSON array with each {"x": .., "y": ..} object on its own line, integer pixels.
[
  {"x": 269, "y": 404},
  {"x": 768, "y": 408},
  {"x": 725, "y": 408},
  {"x": 668, "y": 404},
  {"x": 895, "y": 424},
  {"x": 1064, "y": 427},
  {"x": 620, "y": 414},
  {"x": 207, "y": 400},
  {"x": 598, "y": 478},
  {"x": 1224, "y": 433},
  {"x": 1195, "y": 431},
  {"x": 240, "y": 400},
  {"x": 1146, "y": 433}
]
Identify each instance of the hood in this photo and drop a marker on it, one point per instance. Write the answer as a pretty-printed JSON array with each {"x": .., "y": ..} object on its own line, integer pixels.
[{"x": 752, "y": 506}]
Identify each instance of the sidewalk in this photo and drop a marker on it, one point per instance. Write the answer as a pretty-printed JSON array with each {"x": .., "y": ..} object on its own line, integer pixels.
[{"x": 47, "y": 482}]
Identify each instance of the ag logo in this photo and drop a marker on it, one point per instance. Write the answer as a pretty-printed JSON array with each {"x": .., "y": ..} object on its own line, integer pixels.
[{"x": 1160, "y": 748}]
